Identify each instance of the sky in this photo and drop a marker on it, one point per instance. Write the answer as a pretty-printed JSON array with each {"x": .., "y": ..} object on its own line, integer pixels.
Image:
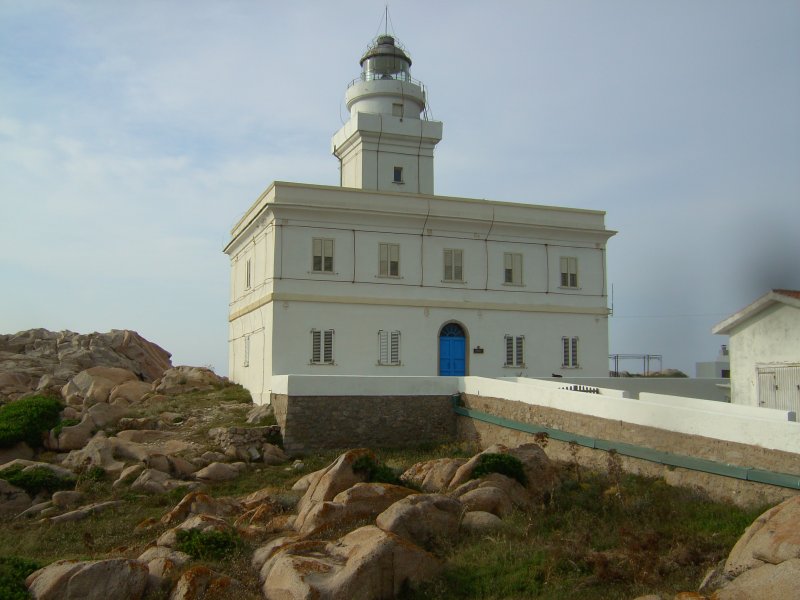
[{"x": 133, "y": 135}]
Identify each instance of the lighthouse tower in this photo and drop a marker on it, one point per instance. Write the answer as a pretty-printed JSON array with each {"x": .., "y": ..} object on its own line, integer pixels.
[{"x": 385, "y": 145}]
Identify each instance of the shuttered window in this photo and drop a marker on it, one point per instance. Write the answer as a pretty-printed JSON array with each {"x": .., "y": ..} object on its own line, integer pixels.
[
  {"x": 569, "y": 271},
  {"x": 322, "y": 346},
  {"x": 246, "y": 362},
  {"x": 512, "y": 268},
  {"x": 248, "y": 274},
  {"x": 569, "y": 352},
  {"x": 515, "y": 356},
  {"x": 388, "y": 347},
  {"x": 322, "y": 250},
  {"x": 389, "y": 260},
  {"x": 453, "y": 265}
]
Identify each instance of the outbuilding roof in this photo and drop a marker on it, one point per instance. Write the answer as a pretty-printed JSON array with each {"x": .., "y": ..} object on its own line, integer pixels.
[{"x": 788, "y": 297}]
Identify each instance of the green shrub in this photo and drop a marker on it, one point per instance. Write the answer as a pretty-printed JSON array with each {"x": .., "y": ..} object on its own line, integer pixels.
[
  {"x": 27, "y": 420},
  {"x": 505, "y": 464},
  {"x": 208, "y": 545},
  {"x": 13, "y": 571},
  {"x": 35, "y": 480},
  {"x": 374, "y": 471}
]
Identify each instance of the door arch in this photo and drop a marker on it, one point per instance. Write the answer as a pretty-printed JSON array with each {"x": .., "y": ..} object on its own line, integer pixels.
[{"x": 452, "y": 350}]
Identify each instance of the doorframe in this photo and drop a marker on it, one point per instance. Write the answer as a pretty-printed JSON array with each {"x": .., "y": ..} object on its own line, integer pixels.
[{"x": 439, "y": 347}]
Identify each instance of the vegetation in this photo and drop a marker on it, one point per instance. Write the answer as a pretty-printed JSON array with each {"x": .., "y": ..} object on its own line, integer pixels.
[
  {"x": 588, "y": 543},
  {"x": 27, "y": 420},
  {"x": 375, "y": 471},
  {"x": 13, "y": 571},
  {"x": 36, "y": 479},
  {"x": 208, "y": 545},
  {"x": 505, "y": 464},
  {"x": 64, "y": 423}
]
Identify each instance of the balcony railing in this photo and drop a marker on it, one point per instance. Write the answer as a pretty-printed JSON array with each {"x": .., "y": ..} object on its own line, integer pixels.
[{"x": 403, "y": 77}]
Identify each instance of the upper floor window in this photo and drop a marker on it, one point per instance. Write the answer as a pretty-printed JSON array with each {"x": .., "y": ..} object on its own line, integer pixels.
[
  {"x": 515, "y": 351},
  {"x": 398, "y": 175},
  {"x": 569, "y": 271},
  {"x": 512, "y": 268},
  {"x": 389, "y": 260},
  {"x": 569, "y": 352},
  {"x": 453, "y": 265},
  {"x": 388, "y": 347},
  {"x": 246, "y": 361},
  {"x": 323, "y": 255},
  {"x": 248, "y": 274},
  {"x": 322, "y": 346}
]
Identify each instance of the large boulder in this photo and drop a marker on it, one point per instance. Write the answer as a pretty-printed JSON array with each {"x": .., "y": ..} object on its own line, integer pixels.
[
  {"x": 337, "y": 477},
  {"x": 163, "y": 565},
  {"x": 433, "y": 475},
  {"x": 131, "y": 391},
  {"x": 198, "y": 503},
  {"x": 766, "y": 582},
  {"x": 94, "y": 385},
  {"x": 366, "y": 564},
  {"x": 112, "y": 579},
  {"x": 201, "y": 583},
  {"x": 362, "y": 501},
  {"x": 772, "y": 538},
  {"x": 13, "y": 500},
  {"x": 425, "y": 519},
  {"x": 179, "y": 380},
  {"x": 494, "y": 493}
]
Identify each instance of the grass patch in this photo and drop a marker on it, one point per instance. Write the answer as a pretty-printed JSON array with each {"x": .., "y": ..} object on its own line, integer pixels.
[
  {"x": 589, "y": 543},
  {"x": 208, "y": 545},
  {"x": 36, "y": 480},
  {"x": 27, "y": 420},
  {"x": 64, "y": 423},
  {"x": 13, "y": 571},
  {"x": 375, "y": 471},
  {"x": 504, "y": 464}
]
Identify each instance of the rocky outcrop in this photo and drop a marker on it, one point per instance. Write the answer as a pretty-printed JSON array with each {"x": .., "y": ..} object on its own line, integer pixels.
[
  {"x": 424, "y": 519},
  {"x": 367, "y": 563},
  {"x": 113, "y": 579},
  {"x": 179, "y": 380},
  {"x": 42, "y": 360}
]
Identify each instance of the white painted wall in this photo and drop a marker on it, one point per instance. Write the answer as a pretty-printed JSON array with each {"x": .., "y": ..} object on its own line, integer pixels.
[
  {"x": 721, "y": 421},
  {"x": 771, "y": 337}
]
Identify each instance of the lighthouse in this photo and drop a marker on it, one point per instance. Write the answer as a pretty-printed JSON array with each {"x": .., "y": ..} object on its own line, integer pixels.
[{"x": 387, "y": 143}]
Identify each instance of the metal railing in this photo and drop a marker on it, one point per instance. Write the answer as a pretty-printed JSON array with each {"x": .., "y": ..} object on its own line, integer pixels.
[{"x": 402, "y": 77}]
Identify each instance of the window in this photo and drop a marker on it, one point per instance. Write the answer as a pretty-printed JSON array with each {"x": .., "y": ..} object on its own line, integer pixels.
[
  {"x": 512, "y": 268},
  {"x": 246, "y": 362},
  {"x": 322, "y": 346},
  {"x": 389, "y": 260},
  {"x": 515, "y": 356},
  {"x": 323, "y": 255},
  {"x": 388, "y": 347},
  {"x": 453, "y": 265},
  {"x": 569, "y": 271},
  {"x": 569, "y": 347},
  {"x": 398, "y": 175},
  {"x": 248, "y": 274},
  {"x": 397, "y": 110}
]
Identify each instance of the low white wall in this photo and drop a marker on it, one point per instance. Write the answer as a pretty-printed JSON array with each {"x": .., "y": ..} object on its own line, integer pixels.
[
  {"x": 707, "y": 389},
  {"x": 720, "y": 424},
  {"x": 356, "y": 385},
  {"x": 756, "y": 426},
  {"x": 770, "y": 414}
]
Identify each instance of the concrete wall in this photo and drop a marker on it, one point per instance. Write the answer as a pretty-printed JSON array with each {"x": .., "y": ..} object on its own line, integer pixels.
[
  {"x": 743, "y": 493},
  {"x": 326, "y": 422},
  {"x": 771, "y": 337},
  {"x": 707, "y": 389}
]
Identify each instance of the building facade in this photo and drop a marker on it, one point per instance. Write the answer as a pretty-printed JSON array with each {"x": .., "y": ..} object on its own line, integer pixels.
[
  {"x": 382, "y": 277},
  {"x": 764, "y": 350}
]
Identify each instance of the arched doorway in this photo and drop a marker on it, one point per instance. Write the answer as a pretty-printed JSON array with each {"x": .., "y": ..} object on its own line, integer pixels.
[{"x": 452, "y": 350}]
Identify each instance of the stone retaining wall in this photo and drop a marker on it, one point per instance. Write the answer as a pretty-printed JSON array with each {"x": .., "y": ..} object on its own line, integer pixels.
[
  {"x": 311, "y": 423},
  {"x": 744, "y": 493}
]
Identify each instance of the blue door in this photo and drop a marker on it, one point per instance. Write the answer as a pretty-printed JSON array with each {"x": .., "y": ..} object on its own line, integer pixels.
[{"x": 452, "y": 350}]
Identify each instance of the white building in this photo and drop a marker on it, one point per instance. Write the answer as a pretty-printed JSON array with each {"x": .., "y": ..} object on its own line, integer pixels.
[
  {"x": 716, "y": 369},
  {"x": 764, "y": 351},
  {"x": 381, "y": 277}
]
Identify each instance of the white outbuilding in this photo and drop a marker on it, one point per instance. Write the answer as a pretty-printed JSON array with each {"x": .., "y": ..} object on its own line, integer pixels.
[
  {"x": 379, "y": 276},
  {"x": 764, "y": 351}
]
